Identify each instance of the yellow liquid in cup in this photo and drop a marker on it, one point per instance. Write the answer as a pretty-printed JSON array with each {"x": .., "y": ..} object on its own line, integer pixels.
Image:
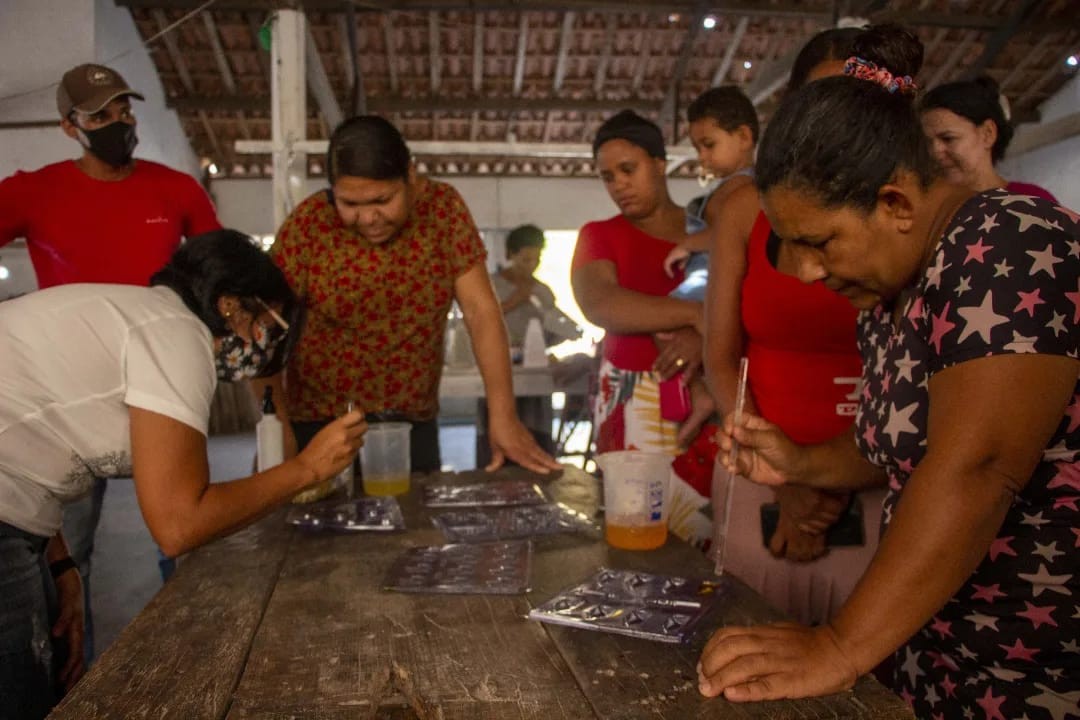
[
  {"x": 635, "y": 537},
  {"x": 386, "y": 485}
]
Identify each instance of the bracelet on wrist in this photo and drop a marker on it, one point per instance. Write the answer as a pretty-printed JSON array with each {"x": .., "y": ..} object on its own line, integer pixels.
[{"x": 61, "y": 566}]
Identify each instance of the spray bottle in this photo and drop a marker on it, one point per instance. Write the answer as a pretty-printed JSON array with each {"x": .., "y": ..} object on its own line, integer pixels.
[{"x": 269, "y": 435}]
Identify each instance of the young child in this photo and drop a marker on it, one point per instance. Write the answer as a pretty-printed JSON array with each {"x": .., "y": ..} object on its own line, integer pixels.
[{"x": 724, "y": 131}]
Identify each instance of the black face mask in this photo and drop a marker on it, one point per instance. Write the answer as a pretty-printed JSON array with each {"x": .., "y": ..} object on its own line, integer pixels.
[{"x": 113, "y": 144}]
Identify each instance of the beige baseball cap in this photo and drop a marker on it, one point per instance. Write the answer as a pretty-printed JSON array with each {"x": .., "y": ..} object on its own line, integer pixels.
[{"x": 89, "y": 87}]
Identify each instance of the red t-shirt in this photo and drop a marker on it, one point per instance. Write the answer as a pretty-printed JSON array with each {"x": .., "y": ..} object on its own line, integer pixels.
[
  {"x": 82, "y": 230},
  {"x": 639, "y": 266},
  {"x": 804, "y": 363}
]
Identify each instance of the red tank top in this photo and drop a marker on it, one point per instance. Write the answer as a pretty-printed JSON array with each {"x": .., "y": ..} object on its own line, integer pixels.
[{"x": 800, "y": 340}]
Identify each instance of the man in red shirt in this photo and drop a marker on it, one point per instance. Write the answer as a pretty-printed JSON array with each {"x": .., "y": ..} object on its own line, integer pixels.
[{"x": 104, "y": 217}]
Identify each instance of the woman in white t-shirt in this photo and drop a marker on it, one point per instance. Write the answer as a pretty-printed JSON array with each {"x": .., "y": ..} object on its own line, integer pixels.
[{"x": 113, "y": 380}]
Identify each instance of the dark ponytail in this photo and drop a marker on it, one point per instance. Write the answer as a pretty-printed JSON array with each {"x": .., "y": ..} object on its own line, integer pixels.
[
  {"x": 976, "y": 100},
  {"x": 841, "y": 139}
]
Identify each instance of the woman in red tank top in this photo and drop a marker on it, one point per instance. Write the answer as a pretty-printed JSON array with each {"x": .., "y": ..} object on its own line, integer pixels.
[{"x": 803, "y": 375}]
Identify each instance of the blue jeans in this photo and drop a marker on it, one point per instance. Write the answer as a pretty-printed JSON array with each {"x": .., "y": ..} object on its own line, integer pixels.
[
  {"x": 27, "y": 690},
  {"x": 81, "y": 518}
]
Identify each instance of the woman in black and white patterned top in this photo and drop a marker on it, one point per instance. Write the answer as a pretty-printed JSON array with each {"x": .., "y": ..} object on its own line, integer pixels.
[{"x": 970, "y": 412}]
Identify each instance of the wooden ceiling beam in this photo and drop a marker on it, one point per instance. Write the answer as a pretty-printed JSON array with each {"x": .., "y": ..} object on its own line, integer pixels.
[
  {"x": 397, "y": 104},
  {"x": 1022, "y": 12},
  {"x": 611, "y": 24},
  {"x": 222, "y": 61},
  {"x": 478, "y": 54},
  {"x": 564, "y": 50},
  {"x": 753, "y": 8},
  {"x": 350, "y": 46},
  {"x": 943, "y": 71},
  {"x": 173, "y": 50},
  {"x": 729, "y": 52},
  {"x": 391, "y": 51},
  {"x": 668, "y": 110},
  {"x": 318, "y": 84},
  {"x": 519, "y": 61},
  {"x": 434, "y": 53}
]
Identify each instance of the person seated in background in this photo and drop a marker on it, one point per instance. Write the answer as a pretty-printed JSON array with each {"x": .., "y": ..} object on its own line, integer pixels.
[
  {"x": 521, "y": 296},
  {"x": 116, "y": 380},
  {"x": 380, "y": 256},
  {"x": 968, "y": 415},
  {"x": 968, "y": 125},
  {"x": 524, "y": 298}
]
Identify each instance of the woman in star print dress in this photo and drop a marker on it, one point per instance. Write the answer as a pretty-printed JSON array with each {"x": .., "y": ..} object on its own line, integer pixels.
[{"x": 970, "y": 413}]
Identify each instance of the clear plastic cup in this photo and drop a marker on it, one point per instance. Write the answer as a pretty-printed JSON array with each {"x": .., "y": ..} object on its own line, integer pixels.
[
  {"x": 384, "y": 458},
  {"x": 635, "y": 498}
]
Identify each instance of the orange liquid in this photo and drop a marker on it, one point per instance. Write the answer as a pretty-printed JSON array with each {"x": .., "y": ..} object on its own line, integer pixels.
[
  {"x": 386, "y": 485},
  {"x": 635, "y": 537}
]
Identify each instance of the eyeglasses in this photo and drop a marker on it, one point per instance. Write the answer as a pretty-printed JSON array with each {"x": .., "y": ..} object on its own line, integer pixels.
[{"x": 274, "y": 314}]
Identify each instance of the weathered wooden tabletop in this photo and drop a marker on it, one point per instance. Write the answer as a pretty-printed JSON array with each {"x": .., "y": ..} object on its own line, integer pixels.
[{"x": 278, "y": 623}]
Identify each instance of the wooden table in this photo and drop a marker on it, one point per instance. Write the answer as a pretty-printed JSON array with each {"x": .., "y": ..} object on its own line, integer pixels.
[{"x": 276, "y": 623}]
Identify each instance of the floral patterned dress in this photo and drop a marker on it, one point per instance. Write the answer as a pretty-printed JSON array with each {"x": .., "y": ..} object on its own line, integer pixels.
[
  {"x": 1005, "y": 279},
  {"x": 376, "y": 313}
]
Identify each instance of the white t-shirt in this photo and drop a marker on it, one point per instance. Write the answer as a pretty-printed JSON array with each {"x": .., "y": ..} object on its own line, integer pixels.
[{"x": 72, "y": 359}]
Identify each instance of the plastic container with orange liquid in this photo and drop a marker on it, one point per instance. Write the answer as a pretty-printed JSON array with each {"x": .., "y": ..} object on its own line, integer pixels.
[{"x": 635, "y": 498}]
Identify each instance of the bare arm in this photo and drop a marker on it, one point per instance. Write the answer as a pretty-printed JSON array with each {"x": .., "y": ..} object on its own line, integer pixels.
[
  {"x": 956, "y": 500},
  {"x": 722, "y": 208},
  {"x": 951, "y": 510},
  {"x": 730, "y": 225},
  {"x": 172, "y": 479},
  {"x": 483, "y": 318},
  {"x": 614, "y": 308}
]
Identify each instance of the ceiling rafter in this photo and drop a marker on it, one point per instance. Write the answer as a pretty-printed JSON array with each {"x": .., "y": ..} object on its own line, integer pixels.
[
  {"x": 173, "y": 50},
  {"x": 957, "y": 54},
  {"x": 402, "y": 104},
  {"x": 1022, "y": 12},
  {"x": 389, "y": 38},
  {"x": 729, "y": 52},
  {"x": 318, "y": 84},
  {"x": 1053, "y": 71},
  {"x": 435, "y": 53},
  {"x": 564, "y": 51},
  {"x": 668, "y": 110},
  {"x": 478, "y": 54},
  {"x": 522, "y": 46},
  {"x": 610, "y": 25},
  {"x": 223, "y": 67}
]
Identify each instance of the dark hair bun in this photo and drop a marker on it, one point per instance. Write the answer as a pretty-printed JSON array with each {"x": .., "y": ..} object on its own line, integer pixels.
[
  {"x": 990, "y": 85},
  {"x": 892, "y": 47}
]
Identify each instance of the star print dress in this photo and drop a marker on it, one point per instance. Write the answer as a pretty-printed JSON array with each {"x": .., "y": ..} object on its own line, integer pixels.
[{"x": 1005, "y": 280}]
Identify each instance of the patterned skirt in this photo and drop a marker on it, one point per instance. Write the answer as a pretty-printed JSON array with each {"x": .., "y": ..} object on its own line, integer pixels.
[{"x": 627, "y": 417}]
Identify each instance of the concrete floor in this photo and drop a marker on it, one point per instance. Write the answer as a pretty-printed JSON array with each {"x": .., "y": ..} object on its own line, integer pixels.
[{"x": 125, "y": 573}]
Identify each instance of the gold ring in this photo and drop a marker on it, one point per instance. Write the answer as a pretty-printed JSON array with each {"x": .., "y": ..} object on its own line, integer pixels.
[{"x": 679, "y": 362}]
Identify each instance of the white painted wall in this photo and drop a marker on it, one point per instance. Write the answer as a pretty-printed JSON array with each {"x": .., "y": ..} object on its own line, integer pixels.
[
  {"x": 39, "y": 41},
  {"x": 496, "y": 203},
  {"x": 1055, "y": 167}
]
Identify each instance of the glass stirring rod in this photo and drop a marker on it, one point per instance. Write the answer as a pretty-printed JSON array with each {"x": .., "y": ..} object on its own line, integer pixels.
[{"x": 740, "y": 401}]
